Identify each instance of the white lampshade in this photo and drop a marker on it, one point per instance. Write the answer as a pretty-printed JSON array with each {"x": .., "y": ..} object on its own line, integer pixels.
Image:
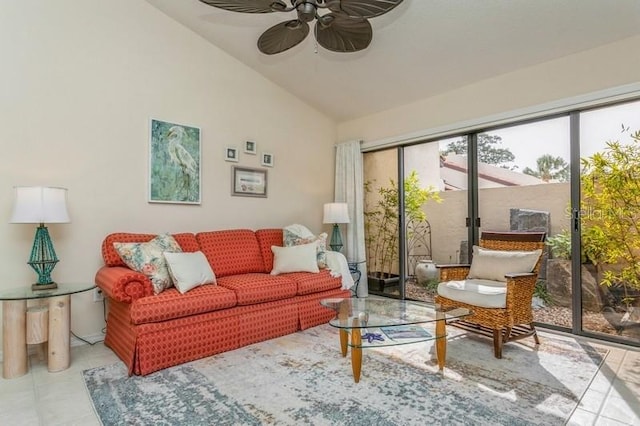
[
  {"x": 40, "y": 204},
  {"x": 336, "y": 213}
]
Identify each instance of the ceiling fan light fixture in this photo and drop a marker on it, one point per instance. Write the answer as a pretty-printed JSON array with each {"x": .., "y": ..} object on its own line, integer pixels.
[{"x": 306, "y": 11}]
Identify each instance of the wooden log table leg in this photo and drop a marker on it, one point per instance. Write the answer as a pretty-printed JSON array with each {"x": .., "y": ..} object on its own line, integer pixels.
[
  {"x": 59, "y": 326},
  {"x": 441, "y": 340},
  {"x": 14, "y": 341},
  {"x": 38, "y": 328}
]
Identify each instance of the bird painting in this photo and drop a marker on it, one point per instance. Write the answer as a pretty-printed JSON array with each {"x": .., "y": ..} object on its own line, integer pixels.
[
  {"x": 180, "y": 157},
  {"x": 175, "y": 163}
]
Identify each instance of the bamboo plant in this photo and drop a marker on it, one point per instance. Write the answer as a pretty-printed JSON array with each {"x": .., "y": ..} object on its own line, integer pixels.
[{"x": 381, "y": 220}]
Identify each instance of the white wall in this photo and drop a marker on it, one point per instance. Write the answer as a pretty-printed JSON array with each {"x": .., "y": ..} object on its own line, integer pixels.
[
  {"x": 597, "y": 69},
  {"x": 80, "y": 81}
]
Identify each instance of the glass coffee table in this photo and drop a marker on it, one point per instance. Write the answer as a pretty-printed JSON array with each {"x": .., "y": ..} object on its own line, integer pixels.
[{"x": 378, "y": 322}]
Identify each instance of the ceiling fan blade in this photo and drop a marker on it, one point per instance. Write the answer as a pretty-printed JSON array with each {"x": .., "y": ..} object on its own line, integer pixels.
[
  {"x": 341, "y": 33},
  {"x": 364, "y": 8},
  {"x": 282, "y": 36},
  {"x": 248, "y": 6}
]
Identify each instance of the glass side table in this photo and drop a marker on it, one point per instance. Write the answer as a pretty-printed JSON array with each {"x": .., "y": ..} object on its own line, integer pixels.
[{"x": 47, "y": 321}]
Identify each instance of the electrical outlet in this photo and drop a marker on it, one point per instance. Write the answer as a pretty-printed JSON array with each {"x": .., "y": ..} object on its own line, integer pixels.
[{"x": 97, "y": 295}]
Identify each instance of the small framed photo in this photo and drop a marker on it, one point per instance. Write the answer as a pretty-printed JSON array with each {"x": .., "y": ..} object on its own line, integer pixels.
[
  {"x": 267, "y": 159},
  {"x": 231, "y": 154},
  {"x": 248, "y": 182},
  {"x": 250, "y": 147}
]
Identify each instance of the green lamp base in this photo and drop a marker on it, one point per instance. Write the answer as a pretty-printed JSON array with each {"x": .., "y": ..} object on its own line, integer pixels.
[
  {"x": 336, "y": 238},
  {"x": 43, "y": 259}
]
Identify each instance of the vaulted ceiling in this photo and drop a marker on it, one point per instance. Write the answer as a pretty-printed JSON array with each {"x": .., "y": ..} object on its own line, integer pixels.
[{"x": 419, "y": 49}]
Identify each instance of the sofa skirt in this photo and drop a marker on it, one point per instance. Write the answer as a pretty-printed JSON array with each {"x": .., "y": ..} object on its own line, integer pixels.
[{"x": 150, "y": 347}]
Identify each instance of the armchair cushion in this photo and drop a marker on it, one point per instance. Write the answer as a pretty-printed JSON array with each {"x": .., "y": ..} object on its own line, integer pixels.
[
  {"x": 495, "y": 264},
  {"x": 476, "y": 292}
]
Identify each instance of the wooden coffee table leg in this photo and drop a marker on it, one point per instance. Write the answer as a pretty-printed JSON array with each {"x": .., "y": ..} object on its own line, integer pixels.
[
  {"x": 59, "y": 339},
  {"x": 441, "y": 340},
  {"x": 344, "y": 338},
  {"x": 14, "y": 341},
  {"x": 356, "y": 353}
]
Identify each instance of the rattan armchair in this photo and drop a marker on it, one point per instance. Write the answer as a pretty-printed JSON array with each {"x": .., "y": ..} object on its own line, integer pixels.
[{"x": 515, "y": 320}]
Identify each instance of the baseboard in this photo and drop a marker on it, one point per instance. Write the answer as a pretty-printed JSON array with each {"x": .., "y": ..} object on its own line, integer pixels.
[{"x": 74, "y": 341}]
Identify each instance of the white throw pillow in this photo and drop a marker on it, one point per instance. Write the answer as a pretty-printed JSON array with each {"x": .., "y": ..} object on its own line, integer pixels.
[
  {"x": 296, "y": 234},
  {"x": 189, "y": 270},
  {"x": 300, "y": 258},
  {"x": 494, "y": 264}
]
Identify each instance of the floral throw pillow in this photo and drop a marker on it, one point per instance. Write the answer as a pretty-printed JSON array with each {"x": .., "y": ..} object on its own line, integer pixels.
[
  {"x": 148, "y": 259},
  {"x": 295, "y": 235}
]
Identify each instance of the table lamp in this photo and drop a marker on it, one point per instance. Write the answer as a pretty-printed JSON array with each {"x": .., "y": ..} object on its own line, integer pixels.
[
  {"x": 41, "y": 204},
  {"x": 336, "y": 213}
]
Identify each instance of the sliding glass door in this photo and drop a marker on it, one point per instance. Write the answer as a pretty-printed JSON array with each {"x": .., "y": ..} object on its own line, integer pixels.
[
  {"x": 524, "y": 185},
  {"x": 610, "y": 221},
  {"x": 435, "y": 199}
]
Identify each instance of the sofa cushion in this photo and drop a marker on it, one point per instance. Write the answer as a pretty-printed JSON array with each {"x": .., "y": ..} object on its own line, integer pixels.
[
  {"x": 189, "y": 270},
  {"x": 266, "y": 239},
  {"x": 494, "y": 264},
  {"x": 309, "y": 283},
  {"x": 300, "y": 258},
  {"x": 171, "y": 304},
  {"x": 258, "y": 288},
  {"x": 232, "y": 252},
  {"x": 148, "y": 259},
  {"x": 187, "y": 242},
  {"x": 483, "y": 293}
]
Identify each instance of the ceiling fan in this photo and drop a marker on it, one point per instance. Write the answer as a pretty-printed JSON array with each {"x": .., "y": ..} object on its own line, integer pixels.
[{"x": 344, "y": 28}]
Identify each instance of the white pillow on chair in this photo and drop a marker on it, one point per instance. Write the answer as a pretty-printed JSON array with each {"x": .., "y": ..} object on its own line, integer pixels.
[{"x": 494, "y": 264}]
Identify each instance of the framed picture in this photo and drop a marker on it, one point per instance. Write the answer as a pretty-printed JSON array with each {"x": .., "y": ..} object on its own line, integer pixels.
[
  {"x": 250, "y": 147},
  {"x": 174, "y": 163},
  {"x": 248, "y": 182},
  {"x": 231, "y": 154},
  {"x": 267, "y": 159}
]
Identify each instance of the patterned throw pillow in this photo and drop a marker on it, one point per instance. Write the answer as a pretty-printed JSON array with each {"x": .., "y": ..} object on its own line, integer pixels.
[
  {"x": 147, "y": 258},
  {"x": 295, "y": 235}
]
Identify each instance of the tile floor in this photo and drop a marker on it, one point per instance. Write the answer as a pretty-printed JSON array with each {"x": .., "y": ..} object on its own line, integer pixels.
[{"x": 43, "y": 398}]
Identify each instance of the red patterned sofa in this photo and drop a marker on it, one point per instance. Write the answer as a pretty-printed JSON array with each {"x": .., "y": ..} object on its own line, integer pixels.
[{"x": 150, "y": 332}]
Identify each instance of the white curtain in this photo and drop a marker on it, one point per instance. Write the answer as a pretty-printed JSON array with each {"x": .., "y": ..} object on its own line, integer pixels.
[{"x": 349, "y": 188}]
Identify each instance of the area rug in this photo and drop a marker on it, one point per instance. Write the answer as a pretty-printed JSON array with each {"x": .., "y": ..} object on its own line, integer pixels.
[{"x": 301, "y": 379}]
